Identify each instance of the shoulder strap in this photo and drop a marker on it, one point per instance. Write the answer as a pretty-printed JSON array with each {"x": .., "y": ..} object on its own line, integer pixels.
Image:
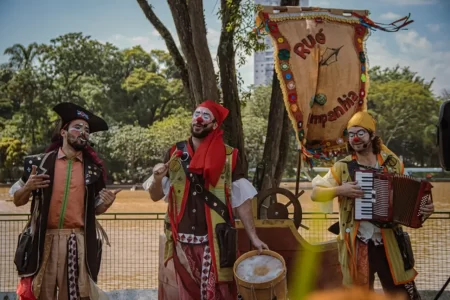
[
  {"x": 352, "y": 167},
  {"x": 389, "y": 161},
  {"x": 209, "y": 198}
]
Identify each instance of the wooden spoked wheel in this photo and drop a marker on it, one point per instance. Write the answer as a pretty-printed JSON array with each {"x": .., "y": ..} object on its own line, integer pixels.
[{"x": 270, "y": 208}]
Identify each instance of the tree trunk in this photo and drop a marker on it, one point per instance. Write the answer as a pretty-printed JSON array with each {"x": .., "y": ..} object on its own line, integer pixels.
[
  {"x": 276, "y": 147},
  {"x": 234, "y": 133},
  {"x": 179, "y": 9},
  {"x": 171, "y": 47},
  {"x": 200, "y": 43},
  {"x": 197, "y": 65},
  {"x": 284, "y": 148}
]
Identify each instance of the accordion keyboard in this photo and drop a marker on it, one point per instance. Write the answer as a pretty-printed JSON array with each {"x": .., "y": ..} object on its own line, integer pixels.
[{"x": 364, "y": 207}]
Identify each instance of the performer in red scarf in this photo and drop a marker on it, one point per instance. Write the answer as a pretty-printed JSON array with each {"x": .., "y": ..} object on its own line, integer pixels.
[{"x": 203, "y": 181}]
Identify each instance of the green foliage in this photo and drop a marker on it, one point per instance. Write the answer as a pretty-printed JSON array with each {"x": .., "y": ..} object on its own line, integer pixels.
[
  {"x": 12, "y": 152},
  {"x": 22, "y": 57},
  {"x": 140, "y": 95},
  {"x": 406, "y": 113},
  {"x": 255, "y": 129},
  {"x": 130, "y": 88},
  {"x": 167, "y": 132},
  {"x": 242, "y": 23},
  {"x": 254, "y": 122},
  {"x": 129, "y": 148},
  {"x": 258, "y": 101}
]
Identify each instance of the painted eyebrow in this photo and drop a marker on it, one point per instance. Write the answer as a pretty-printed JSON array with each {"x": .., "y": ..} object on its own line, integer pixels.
[
  {"x": 203, "y": 113},
  {"x": 80, "y": 125}
]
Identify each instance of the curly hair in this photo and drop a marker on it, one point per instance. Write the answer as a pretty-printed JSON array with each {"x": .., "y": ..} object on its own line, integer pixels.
[
  {"x": 376, "y": 143},
  {"x": 57, "y": 142}
]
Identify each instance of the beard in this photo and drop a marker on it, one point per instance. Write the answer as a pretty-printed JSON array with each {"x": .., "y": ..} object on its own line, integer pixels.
[
  {"x": 75, "y": 142},
  {"x": 200, "y": 135}
]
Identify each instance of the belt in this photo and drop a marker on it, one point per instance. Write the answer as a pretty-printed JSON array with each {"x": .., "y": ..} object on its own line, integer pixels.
[{"x": 64, "y": 231}]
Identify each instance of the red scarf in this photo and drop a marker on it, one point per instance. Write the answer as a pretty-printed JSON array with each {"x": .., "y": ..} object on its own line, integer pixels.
[{"x": 209, "y": 158}]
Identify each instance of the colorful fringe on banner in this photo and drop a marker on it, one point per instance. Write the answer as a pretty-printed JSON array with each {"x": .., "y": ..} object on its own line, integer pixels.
[{"x": 321, "y": 62}]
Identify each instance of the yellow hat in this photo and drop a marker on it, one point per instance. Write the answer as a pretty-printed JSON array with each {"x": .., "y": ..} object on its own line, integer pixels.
[{"x": 362, "y": 119}]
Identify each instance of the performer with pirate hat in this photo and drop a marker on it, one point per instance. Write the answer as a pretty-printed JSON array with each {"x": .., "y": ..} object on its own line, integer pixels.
[
  {"x": 366, "y": 248},
  {"x": 59, "y": 251},
  {"x": 203, "y": 181}
]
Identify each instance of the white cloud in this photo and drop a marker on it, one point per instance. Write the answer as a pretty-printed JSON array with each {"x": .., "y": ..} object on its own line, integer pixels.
[
  {"x": 410, "y": 42},
  {"x": 429, "y": 65},
  {"x": 390, "y": 16},
  {"x": 148, "y": 43},
  {"x": 433, "y": 27},
  {"x": 410, "y": 2}
]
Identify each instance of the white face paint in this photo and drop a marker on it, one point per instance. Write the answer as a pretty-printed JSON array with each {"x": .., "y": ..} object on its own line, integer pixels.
[
  {"x": 359, "y": 138},
  {"x": 79, "y": 129},
  {"x": 202, "y": 122},
  {"x": 78, "y": 134},
  {"x": 203, "y": 116}
]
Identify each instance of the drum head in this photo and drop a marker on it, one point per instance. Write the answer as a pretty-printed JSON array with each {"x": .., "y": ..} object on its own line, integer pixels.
[{"x": 259, "y": 269}]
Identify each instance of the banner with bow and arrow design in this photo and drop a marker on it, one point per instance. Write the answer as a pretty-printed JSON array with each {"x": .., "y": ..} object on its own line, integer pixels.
[{"x": 320, "y": 60}]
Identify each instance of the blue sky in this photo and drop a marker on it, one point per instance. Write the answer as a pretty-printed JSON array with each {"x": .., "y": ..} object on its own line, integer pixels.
[{"x": 425, "y": 47}]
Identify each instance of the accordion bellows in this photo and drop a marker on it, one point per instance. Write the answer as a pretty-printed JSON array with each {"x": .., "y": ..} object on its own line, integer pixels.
[{"x": 391, "y": 198}]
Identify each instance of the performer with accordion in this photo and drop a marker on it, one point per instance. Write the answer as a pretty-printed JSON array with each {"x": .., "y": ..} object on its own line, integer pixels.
[{"x": 375, "y": 200}]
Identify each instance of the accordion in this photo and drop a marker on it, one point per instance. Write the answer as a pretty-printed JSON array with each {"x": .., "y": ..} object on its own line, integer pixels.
[{"x": 391, "y": 198}]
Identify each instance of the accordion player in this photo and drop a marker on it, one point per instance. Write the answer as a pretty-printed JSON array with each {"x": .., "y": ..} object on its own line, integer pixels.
[{"x": 391, "y": 198}]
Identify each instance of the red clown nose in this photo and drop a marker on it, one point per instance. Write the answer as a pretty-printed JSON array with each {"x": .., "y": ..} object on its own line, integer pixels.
[
  {"x": 356, "y": 139},
  {"x": 199, "y": 120}
]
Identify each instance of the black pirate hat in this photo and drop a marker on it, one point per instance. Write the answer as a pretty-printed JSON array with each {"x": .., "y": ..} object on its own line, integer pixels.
[{"x": 70, "y": 111}]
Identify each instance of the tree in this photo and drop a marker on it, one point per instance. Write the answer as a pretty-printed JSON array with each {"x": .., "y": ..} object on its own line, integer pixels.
[
  {"x": 395, "y": 74},
  {"x": 12, "y": 152},
  {"x": 25, "y": 89},
  {"x": 130, "y": 148},
  {"x": 254, "y": 119},
  {"x": 70, "y": 58},
  {"x": 195, "y": 65},
  {"x": 150, "y": 85},
  {"x": 21, "y": 57},
  {"x": 148, "y": 90},
  {"x": 258, "y": 101},
  {"x": 406, "y": 113},
  {"x": 255, "y": 133},
  {"x": 172, "y": 129},
  {"x": 277, "y": 145}
]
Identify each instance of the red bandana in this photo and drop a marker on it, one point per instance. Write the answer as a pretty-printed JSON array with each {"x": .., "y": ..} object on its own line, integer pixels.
[{"x": 209, "y": 158}]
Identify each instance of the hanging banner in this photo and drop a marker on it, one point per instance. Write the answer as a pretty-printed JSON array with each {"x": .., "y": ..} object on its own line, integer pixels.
[{"x": 321, "y": 63}]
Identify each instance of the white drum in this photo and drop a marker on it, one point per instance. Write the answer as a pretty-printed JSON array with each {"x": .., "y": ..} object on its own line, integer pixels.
[{"x": 261, "y": 276}]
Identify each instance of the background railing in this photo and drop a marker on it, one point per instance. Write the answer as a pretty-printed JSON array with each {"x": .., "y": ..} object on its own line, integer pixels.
[{"x": 132, "y": 260}]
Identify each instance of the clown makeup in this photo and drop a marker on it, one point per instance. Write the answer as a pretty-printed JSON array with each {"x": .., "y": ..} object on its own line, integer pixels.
[
  {"x": 360, "y": 134},
  {"x": 78, "y": 134},
  {"x": 359, "y": 139},
  {"x": 203, "y": 116},
  {"x": 201, "y": 122},
  {"x": 79, "y": 129}
]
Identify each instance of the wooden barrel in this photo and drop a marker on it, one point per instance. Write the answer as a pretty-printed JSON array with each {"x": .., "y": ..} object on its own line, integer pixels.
[{"x": 260, "y": 277}]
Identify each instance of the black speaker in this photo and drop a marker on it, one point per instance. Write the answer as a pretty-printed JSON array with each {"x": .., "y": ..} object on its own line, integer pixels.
[{"x": 444, "y": 136}]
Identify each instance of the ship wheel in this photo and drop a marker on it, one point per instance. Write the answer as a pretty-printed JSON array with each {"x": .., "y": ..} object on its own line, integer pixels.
[{"x": 272, "y": 209}]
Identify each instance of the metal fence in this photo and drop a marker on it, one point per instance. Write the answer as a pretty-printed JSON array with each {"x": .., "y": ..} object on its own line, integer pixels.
[{"x": 132, "y": 260}]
